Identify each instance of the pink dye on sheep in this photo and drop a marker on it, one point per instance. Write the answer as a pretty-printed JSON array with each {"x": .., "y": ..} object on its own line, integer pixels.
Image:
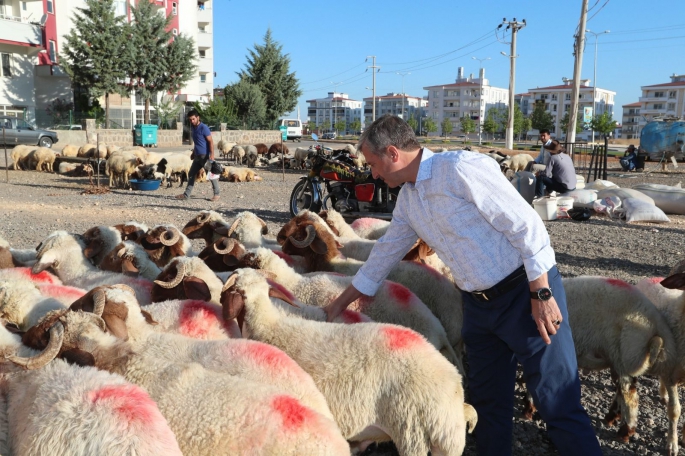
[
  {"x": 199, "y": 318},
  {"x": 268, "y": 355},
  {"x": 400, "y": 338},
  {"x": 285, "y": 257},
  {"x": 364, "y": 223},
  {"x": 292, "y": 412},
  {"x": 619, "y": 283},
  {"x": 61, "y": 291},
  {"x": 41, "y": 277},
  {"x": 400, "y": 293},
  {"x": 130, "y": 402}
]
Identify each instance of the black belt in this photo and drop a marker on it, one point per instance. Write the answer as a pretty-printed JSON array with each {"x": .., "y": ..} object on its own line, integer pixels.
[{"x": 503, "y": 286}]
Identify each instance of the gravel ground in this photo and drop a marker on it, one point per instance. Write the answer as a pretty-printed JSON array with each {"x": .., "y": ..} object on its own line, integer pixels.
[{"x": 35, "y": 204}]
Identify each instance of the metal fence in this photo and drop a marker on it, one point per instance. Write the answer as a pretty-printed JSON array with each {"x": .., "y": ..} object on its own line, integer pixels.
[{"x": 588, "y": 160}]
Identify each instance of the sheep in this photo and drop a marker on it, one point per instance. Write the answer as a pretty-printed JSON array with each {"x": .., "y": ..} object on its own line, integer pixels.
[
  {"x": 93, "y": 151},
  {"x": 437, "y": 292},
  {"x": 233, "y": 174},
  {"x": 262, "y": 148},
  {"x": 39, "y": 157},
  {"x": 149, "y": 172},
  {"x": 300, "y": 155},
  {"x": 251, "y": 156},
  {"x": 498, "y": 156},
  {"x": 63, "y": 253},
  {"x": 427, "y": 411},
  {"x": 137, "y": 151},
  {"x": 370, "y": 228},
  {"x": 164, "y": 243},
  {"x": 277, "y": 149},
  {"x": 100, "y": 240},
  {"x": 515, "y": 162},
  {"x": 69, "y": 150},
  {"x": 19, "y": 153},
  {"x": 394, "y": 303},
  {"x": 187, "y": 278},
  {"x": 357, "y": 157},
  {"x": 207, "y": 225},
  {"x": 130, "y": 258},
  {"x": 75, "y": 170},
  {"x": 58, "y": 408},
  {"x": 201, "y": 176},
  {"x": 225, "y": 147},
  {"x": 11, "y": 258},
  {"x": 174, "y": 164},
  {"x": 62, "y": 293},
  {"x": 120, "y": 167},
  {"x": 337, "y": 223},
  {"x": 251, "y": 231},
  {"x": 131, "y": 231},
  {"x": 24, "y": 273},
  {"x": 111, "y": 150},
  {"x": 22, "y": 304},
  {"x": 238, "y": 153},
  {"x": 246, "y": 416},
  {"x": 192, "y": 318}
]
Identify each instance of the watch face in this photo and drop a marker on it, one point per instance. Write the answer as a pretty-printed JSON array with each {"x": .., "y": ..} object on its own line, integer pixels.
[{"x": 544, "y": 294}]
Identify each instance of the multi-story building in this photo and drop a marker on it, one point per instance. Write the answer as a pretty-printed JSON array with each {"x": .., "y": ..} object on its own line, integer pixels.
[
  {"x": 394, "y": 103},
  {"x": 662, "y": 100},
  {"x": 335, "y": 107},
  {"x": 32, "y": 32},
  {"x": 630, "y": 122},
  {"x": 557, "y": 100},
  {"x": 524, "y": 101},
  {"x": 469, "y": 96}
]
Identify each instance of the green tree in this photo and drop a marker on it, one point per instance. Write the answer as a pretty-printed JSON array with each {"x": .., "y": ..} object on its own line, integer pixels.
[
  {"x": 519, "y": 126},
  {"x": 249, "y": 102},
  {"x": 493, "y": 121},
  {"x": 355, "y": 126},
  {"x": 527, "y": 124},
  {"x": 326, "y": 125},
  {"x": 268, "y": 67},
  {"x": 541, "y": 119},
  {"x": 429, "y": 125},
  {"x": 467, "y": 124},
  {"x": 167, "y": 111},
  {"x": 603, "y": 123},
  {"x": 216, "y": 112},
  {"x": 157, "y": 61},
  {"x": 59, "y": 110},
  {"x": 446, "y": 126},
  {"x": 311, "y": 126},
  {"x": 413, "y": 123},
  {"x": 94, "y": 51},
  {"x": 340, "y": 125},
  {"x": 564, "y": 124}
]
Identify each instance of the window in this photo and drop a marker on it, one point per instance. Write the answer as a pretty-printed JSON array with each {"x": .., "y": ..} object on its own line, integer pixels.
[
  {"x": 53, "y": 52},
  {"x": 175, "y": 32},
  {"x": 670, "y": 107},
  {"x": 436, "y": 93},
  {"x": 23, "y": 6},
  {"x": 658, "y": 94},
  {"x": 554, "y": 108},
  {"x": 120, "y": 7},
  {"x": 567, "y": 97},
  {"x": 554, "y": 96},
  {"x": 658, "y": 106},
  {"x": 544, "y": 96},
  {"x": 671, "y": 94},
  {"x": 51, "y": 9},
  {"x": 174, "y": 8},
  {"x": 6, "y": 65},
  {"x": 201, "y": 53},
  {"x": 203, "y": 78}
]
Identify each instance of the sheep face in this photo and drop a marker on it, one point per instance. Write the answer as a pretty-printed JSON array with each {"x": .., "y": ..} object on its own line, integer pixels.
[
  {"x": 173, "y": 283},
  {"x": 56, "y": 247},
  {"x": 223, "y": 255},
  {"x": 120, "y": 260},
  {"x": 130, "y": 232},
  {"x": 162, "y": 243},
  {"x": 204, "y": 225},
  {"x": 291, "y": 227}
]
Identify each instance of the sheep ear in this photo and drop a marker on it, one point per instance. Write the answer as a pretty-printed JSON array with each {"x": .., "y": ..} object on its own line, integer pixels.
[
  {"x": 278, "y": 294},
  {"x": 196, "y": 288},
  {"x": 231, "y": 260},
  {"x": 233, "y": 304},
  {"x": 220, "y": 228},
  {"x": 116, "y": 326},
  {"x": 148, "y": 317},
  {"x": 319, "y": 246},
  {"x": 675, "y": 282},
  {"x": 78, "y": 357},
  {"x": 128, "y": 268},
  {"x": 93, "y": 248}
]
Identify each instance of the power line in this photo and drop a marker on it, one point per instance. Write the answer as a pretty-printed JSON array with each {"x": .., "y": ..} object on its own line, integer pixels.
[
  {"x": 644, "y": 39},
  {"x": 329, "y": 77},
  {"x": 600, "y": 9},
  {"x": 419, "y": 67},
  {"x": 648, "y": 30}
]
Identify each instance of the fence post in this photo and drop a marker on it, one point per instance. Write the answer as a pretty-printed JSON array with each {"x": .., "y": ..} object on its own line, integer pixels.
[
  {"x": 606, "y": 153},
  {"x": 97, "y": 161},
  {"x": 7, "y": 164}
]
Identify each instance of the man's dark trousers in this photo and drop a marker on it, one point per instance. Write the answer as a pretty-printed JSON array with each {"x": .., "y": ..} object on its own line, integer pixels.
[
  {"x": 199, "y": 162},
  {"x": 497, "y": 334},
  {"x": 545, "y": 183}
]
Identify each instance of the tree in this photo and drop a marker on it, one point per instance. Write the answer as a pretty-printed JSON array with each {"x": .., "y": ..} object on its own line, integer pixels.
[
  {"x": 518, "y": 121},
  {"x": 94, "y": 51},
  {"x": 467, "y": 124},
  {"x": 268, "y": 68},
  {"x": 446, "y": 126},
  {"x": 326, "y": 125},
  {"x": 564, "y": 123},
  {"x": 249, "y": 102},
  {"x": 218, "y": 111},
  {"x": 59, "y": 110},
  {"x": 493, "y": 121},
  {"x": 527, "y": 124},
  {"x": 413, "y": 123},
  {"x": 355, "y": 126},
  {"x": 540, "y": 118},
  {"x": 340, "y": 125},
  {"x": 167, "y": 111},
  {"x": 603, "y": 123},
  {"x": 429, "y": 125},
  {"x": 157, "y": 61}
]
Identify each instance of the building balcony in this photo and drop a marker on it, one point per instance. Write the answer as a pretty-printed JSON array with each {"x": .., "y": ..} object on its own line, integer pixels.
[
  {"x": 20, "y": 31},
  {"x": 205, "y": 65},
  {"x": 652, "y": 111},
  {"x": 652, "y": 98},
  {"x": 205, "y": 40},
  {"x": 204, "y": 16}
]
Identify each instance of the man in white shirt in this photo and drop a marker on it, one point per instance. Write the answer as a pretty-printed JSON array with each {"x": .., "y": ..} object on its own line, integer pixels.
[
  {"x": 542, "y": 160},
  {"x": 500, "y": 256}
]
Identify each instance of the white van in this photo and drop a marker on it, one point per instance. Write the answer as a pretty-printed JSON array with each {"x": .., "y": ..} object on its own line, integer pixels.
[{"x": 294, "y": 128}]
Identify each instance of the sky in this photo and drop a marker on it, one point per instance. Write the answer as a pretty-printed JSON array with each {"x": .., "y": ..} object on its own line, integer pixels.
[{"x": 328, "y": 43}]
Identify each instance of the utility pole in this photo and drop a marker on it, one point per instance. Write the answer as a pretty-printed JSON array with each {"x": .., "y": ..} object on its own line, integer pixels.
[
  {"x": 577, "y": 66},
  {"x": 481, "y": 108},
  {"x": 515, "y": 27},
  {"x": 374, "y": 70},
  {"x": 403, "y": 96},
  {"x": 594, "y": 79}
]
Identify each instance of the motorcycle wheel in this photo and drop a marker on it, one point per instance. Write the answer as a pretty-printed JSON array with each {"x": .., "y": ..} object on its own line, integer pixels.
[{"x": 306, "y": 201}]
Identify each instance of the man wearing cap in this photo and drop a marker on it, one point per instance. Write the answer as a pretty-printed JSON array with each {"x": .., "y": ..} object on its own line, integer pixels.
[
  {"x": 499, "y": 253},
  {"x": 559, "y": 175},
  {"x": 629, "y": 160}
]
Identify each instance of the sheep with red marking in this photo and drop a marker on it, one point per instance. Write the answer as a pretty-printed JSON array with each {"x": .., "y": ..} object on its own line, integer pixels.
[
  {"x": 192, "y": 318},
  {"x": 427, "y": 411},
  {"x": 22, "y": 304},
  {"x": 22, "y": 273},
  {"x": 63, "y": 253},
  {"x": 187, "y": 278},
  {"x": 163, "y": 243},
  {"x": 58, "y": 408},
  {"x": 251, "y": 231},
  {"x": 393, "y": 303},
  {"x": 100, "y": 240},
  {"x": 249, "y": 409},
  {"x": 370, "y": 228}
]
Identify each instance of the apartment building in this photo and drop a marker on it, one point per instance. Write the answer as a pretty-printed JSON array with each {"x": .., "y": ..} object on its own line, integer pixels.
[
  {"x": 557, "y": 100},
  {"x": 662, "y": 100},
  {"x": 398, "y": 104},
  {"x": 525, "y": 103},
  {"x": 630, "y": 121},
  {"x": 335, "y": 107},
  {"x": 465, "y": 97},
  {"x": 32, "y": 32}
]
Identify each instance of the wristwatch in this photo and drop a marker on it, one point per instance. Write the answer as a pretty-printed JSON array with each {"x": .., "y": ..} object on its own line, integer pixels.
[{"x": 543, "y": 294}]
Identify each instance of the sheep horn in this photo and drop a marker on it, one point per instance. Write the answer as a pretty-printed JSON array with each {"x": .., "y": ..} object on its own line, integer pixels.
[
  {"x": 203, "y": 217},
  {"x": 265, "y": 229},
  {"x": 233, "y": 227},
  {"x": 229, "y": 243},
  {"x": 311, "y": 235},
  {"x": 175, "y": 236},
  {"x": 181, "y": 270},
  {"x": 47, "y": 355},
  {"x": 99, "y": 302}
]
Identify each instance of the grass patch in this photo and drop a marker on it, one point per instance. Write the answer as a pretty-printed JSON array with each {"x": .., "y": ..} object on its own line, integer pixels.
[{"x": 428, "y": 141}]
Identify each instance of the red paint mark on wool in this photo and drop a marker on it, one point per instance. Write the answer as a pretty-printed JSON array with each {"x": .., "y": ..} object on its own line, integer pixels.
[
  {"x": 281, "y": 288},
  {"x": 619, "y": 283},
  {"x": 400, "y": 293},
  {"x": 655, "y": 280},
  {"x": 144, "y": 284},
  {"x": 41, "y": 277},
  {"x": 351, "y": 317},
  {"x": 267, "y": 355},
  {"x": 61, "y": 291},
  {"x": 292, "y": 412},
  {"x": 400, "y": 338},
  {"x": 365, "y": 222},
  {"x": 285, "y": 257},
  {"x": 198, "y": 318},
  {"x": 129, "y": 402}
]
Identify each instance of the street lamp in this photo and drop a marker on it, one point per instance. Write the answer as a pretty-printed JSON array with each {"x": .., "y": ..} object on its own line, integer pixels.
[
  {"x": 480, "y": 100},
  {"x": 403, "y": 75},
  {"x": 594, "y": 85}
]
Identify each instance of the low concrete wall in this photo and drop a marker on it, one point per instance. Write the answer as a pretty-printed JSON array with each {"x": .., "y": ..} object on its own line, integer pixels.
[
  {"x": 267, "y": 137},
  {"x": 111, "y": 137},
  {"x": 74, "y": 137},
  {"x": 169, "y": 138}
]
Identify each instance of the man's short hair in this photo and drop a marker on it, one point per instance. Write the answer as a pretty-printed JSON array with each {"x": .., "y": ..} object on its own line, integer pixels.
[
  {"x": 543, "y": 131},
  {"x": 193, "y": 112},
  {"x": 388, "y": 130}
]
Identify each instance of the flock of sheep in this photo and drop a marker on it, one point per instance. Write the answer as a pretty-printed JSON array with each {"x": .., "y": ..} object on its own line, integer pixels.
[{"x": 134, "y": 342}]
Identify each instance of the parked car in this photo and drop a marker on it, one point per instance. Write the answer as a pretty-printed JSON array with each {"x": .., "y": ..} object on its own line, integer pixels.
[
  {"x": 67, "y": 127},
  {"x": 330, "y": 135},
  {"x": 18, "y": 131}
]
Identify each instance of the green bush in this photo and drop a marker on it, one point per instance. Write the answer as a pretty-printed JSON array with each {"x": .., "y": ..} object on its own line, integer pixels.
[
  {"x": 486, "y": 143},
  {"x": 428, "y": 141},
  {"x": 446, "y": 141},
  {"x": 467, "y": 142}
]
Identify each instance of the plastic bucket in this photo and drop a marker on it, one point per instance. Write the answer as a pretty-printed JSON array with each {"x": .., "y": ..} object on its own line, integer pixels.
[
  {"x": 564, "y": 204},
  {"x": 546, "y": 208}
]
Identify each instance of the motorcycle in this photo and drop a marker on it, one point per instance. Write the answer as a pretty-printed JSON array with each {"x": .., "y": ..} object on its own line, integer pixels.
[{"x": 335, "y": 182}]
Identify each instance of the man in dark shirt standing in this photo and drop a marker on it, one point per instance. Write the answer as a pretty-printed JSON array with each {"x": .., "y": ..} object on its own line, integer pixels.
[{"x": 202, "y": 153}]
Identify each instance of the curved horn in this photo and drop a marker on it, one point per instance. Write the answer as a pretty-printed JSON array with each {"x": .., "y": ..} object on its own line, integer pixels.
[
  {"x": 265, "y": 229},
  {"x": 47, "y": 355},
  {"x": 229, "y": 244},
  {"x": 99, "y": 302},
  {"x": 311, "y": 235},
  {"x": 203, "y": 217},
  {"x": 181, "y": 270},
  {"x": 175, "y": 236},
  {"x": 233, "y": 227}
]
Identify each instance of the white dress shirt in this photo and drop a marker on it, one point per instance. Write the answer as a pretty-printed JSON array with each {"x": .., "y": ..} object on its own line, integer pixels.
[
  {"x": 464, "y": 208},
  {"x": 544, "y": 155}
]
